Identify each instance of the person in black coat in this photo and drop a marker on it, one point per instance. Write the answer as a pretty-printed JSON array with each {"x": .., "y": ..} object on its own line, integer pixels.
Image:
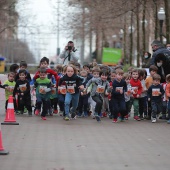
[{"x": 162, "y": 61}]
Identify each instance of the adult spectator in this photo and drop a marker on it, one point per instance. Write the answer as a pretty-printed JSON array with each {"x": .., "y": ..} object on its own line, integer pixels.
[
  {"x": 158, "y": 48},
  {"x": 168, "y": 46},
  {"x": 162, "y": 61},
  {"x": 68, "y": 54},
  {"x": 146, "y": 59}
]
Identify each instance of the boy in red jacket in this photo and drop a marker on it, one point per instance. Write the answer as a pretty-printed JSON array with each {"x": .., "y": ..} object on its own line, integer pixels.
[{"x": 136, "y": 91}]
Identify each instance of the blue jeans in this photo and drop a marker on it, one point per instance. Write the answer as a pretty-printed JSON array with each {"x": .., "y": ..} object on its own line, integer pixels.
[
  {"x": 74, "y": 98},
  {"x": 156, "y": 108}
]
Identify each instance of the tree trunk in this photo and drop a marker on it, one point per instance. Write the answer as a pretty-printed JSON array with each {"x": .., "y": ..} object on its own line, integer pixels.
[
  {"x": 143, "y": 27},
  {"x": 156, "y": 19},
  {"x": 167, "y": 5},
  {"x": 138, "y": 43},
  {"x": 131, "y": 40},
  {"x": 124, "y": 41}
]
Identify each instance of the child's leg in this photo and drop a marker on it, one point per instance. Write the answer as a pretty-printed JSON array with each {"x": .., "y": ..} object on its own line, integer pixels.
[
  {"x": 141, "y": 107},
  {"x": 20, "y": 104},
  {"x": 68, "y": 99},
  {"x": 149, "y": 109},
  {"x": 136, "y": 107},
  {"x": 145, "y": 106},
  {"x": 6, "y": 104},
  {"x": 99, "y": 104},
  {"x": 61, "y": 99},
  {"x": 55, "y": 102},
  {"x": 85, "y": 105},
  {"x": 115, "y": 108},
  {"x": 45, "y": 108},
  {"x": 27, "y": 101},
  {"x": 75, "y": 100},
  {"x": 154, "y": 109},
  {"x": 164, "y": 109},
  {"x": 169, "y": 111},
  {"x": 80, "y": 106},
  {"x": 122, "y": 108}
]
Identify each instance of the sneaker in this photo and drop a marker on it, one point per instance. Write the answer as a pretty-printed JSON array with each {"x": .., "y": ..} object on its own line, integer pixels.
[
  {"x": 148, "y": 118},
  {"x": 73, "y": 115},
  {"x": 114, "y": 121},
  {"x": 37, "y": 112},
  {"x": 168, "y": 121},
  {"x": 50, "y": 112},
  {"x": 104, "y": 114},
  {"x": 85, "y": 114},
  {"x": 97, "y": 118},
  {"x": 121, "y": 119},
  {"x": 43, "y": 118},
  {"x": 145, "y": 117},
  {"x": 66, "y": 118},
  {"x": 141, "y": 117},
  {"x": 126, "y": 117},
  {"x": 79, "y": 115},
  {"x": 22, "y": 112},
  {"x": 153, "y": 120},
  {"x": 25, "y": 110},
  {"x": 55, "y": 111},
  {"x": 17, "y": 112},
  {"x": 136, "y": 118}
]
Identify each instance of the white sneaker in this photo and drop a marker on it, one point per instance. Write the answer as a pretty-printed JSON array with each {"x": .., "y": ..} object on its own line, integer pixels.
[{"x": 154, "y": 120}]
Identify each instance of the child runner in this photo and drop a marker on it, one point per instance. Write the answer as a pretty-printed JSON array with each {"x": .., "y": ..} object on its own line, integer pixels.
[
  {"x": 99, "y": 89},
  {"x": 118, "y": 99},
  {"x": 9, "y": 87},
  {"x": 73, "y": 84},
  {"x": 43, "y": 88},
  {"x": 83, "y": 99},
  {"x": 127, "y": 77},
  {"x": 22, "y": 88},
  {"x": 155, "y": 94},
  {"x": 136, "y": 92},
  {"x": 149, "y": 80}
]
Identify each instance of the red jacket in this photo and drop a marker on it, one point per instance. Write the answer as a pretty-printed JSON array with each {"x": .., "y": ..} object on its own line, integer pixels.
[{"x": 136, "y": 83}]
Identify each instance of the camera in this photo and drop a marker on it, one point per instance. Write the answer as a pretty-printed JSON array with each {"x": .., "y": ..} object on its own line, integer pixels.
[{"x": 69, "y": 48}]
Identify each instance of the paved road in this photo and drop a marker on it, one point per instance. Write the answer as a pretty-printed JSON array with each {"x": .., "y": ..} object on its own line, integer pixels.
[{"x": 83, "y": 144}]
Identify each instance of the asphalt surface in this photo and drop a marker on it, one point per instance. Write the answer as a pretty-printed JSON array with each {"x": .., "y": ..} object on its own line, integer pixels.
[{"x": 83, "y": 144}]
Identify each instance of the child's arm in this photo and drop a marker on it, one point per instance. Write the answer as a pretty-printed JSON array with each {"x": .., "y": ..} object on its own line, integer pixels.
[
  {"x": 149, "y": 93},
  {"x": 57, "y": 78},
  {"x": 161, "y": 91},
  {"x": 168, "y": 90}
]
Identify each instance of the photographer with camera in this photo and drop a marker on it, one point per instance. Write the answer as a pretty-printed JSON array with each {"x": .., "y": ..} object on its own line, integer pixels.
[{"x": 68, "y": 54}]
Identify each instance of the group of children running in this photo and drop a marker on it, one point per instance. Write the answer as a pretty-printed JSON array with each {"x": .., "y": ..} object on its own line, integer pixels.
[{"x": 99, "y": 91}]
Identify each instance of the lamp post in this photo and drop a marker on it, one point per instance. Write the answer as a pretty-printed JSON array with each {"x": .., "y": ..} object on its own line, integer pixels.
[
  {"x": 161, "y": 17},
  {"x": 121, "y": 37}
]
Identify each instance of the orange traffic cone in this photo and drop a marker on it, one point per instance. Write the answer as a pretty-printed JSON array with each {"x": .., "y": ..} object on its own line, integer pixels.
[
  {"x": 2, "y": 150},
  {"x": 10, "y": 115}
]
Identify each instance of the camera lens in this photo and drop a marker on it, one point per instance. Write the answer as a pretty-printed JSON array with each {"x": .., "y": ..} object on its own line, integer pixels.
[{"x": 69, "y": 47}]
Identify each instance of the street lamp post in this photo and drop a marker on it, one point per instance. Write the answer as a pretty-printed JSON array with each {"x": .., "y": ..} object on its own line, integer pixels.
[
  {"x": 121, "y": 37},
  {"x": 161, "y": 17}
]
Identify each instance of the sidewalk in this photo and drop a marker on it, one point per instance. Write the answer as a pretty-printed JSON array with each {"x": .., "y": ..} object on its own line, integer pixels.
[{"x": 83, "y": 144}]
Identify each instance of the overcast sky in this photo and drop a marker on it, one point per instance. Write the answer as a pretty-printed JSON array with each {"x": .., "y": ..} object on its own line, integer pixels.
[{"x": 39, "y": 16}]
